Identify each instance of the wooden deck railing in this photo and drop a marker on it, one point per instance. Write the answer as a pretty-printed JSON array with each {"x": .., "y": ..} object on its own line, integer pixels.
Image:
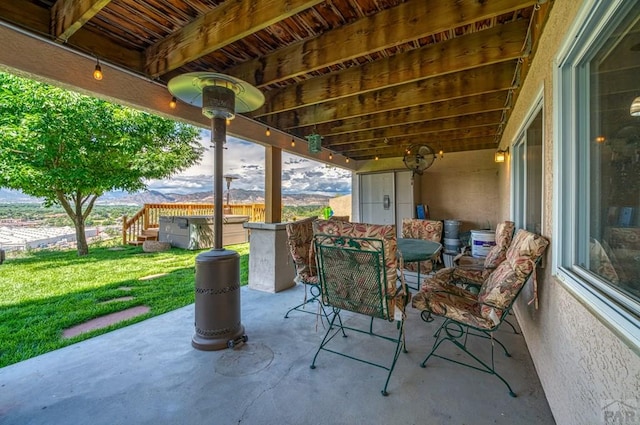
[{"x": 149, "y": 216}]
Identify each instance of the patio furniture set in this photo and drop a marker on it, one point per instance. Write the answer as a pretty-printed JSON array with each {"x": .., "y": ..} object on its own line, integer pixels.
[{"x": 359, "y": 268}]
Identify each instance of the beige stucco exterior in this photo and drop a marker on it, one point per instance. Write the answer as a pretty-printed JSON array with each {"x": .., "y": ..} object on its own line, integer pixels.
[{"x": 582, "y": 364}]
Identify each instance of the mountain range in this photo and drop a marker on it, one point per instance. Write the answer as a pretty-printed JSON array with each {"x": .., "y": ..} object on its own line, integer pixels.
[{"x": 236, "y": 196}]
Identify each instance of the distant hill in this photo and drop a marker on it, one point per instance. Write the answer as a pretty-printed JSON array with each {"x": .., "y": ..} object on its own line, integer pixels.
[
  {"x": 237, "y": 196},
  {"x": 240, "y": 196}
]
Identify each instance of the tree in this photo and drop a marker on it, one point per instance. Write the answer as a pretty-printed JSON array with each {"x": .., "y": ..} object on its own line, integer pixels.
[{"x": 70, "y": 148}]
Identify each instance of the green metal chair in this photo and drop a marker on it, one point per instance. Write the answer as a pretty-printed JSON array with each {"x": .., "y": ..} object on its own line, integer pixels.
[
  {"x": 469, "y": 314},
  {"x": 358, "y": 273}
]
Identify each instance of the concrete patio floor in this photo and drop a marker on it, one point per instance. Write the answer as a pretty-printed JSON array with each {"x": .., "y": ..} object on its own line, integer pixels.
[{"x": 148, "y": 373}]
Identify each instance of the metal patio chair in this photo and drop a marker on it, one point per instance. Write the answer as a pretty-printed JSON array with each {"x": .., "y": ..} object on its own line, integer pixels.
[
  {"x": 467, "y": 314},
  {"x": 358, "y": 273},
  {"x": 422, "y": 229},
  {"x": 300, "y": 241}
]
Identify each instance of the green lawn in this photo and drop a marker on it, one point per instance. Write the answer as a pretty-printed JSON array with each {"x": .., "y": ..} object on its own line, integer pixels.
[{"x": 44, "y": 292}]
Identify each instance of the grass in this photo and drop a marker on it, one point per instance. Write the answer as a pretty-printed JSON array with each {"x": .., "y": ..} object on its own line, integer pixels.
[{"x": 45, "y": 292}]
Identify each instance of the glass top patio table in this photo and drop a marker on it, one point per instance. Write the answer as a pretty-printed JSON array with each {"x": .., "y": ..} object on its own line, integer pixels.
[{"x": 416, "y": 250}]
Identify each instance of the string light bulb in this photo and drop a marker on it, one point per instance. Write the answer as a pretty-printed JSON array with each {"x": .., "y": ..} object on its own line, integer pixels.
[
  {"x": 173, "y": 103},
  {"x": 293, "y": 143},
  {"x": 441, "y": 153},
  {"x": 634, "y": 109},
  {"x": 376, "y": 157},
  {"x": 268, "y": 132},
  {"x": 347, "y": 160},
  {"x": 97, "y": 71},
  {"x": 228, "y": 121},
  {"x": 330, "y": 155}
]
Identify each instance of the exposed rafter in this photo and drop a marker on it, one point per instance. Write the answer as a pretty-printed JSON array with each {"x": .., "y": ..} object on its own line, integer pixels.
[
  {"x": 229, "y": 22},
  {"x": 68, "y": 16},
  {"x": 371, "y": 77}
]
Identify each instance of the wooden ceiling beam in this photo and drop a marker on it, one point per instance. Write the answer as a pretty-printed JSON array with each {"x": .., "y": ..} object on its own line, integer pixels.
[
  {"x": 427, "y": 112},
  {"x": 440, "y": 138},
  {"x": 389, "y": 28},
  {"x": 26, "y": 14},
  {"x": 228, "y": 22},
  {"x": 497, "y": 44},
  {"x": 68, "y": 16},
  {"x": 422, "y": 127},
  {"x": 107, "y": 50},
  {"x": 399, "y": 151},
  {"x": 476, "y": 81}
]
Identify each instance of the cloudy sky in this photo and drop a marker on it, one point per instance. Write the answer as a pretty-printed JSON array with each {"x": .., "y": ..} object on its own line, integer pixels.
[{"x": 245, "y": 160}]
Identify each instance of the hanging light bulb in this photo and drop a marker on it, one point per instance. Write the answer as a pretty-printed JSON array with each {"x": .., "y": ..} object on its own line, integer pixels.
[
  {"x": 347, "y": 160},
  {"x": 330, "y": 155},
  {"x": 228, "y": 121},
  {"x": 441, "y": 154},
  {"x": 268, "y": 132},
  {"x": 173, "y": 103},
  {"x": 376, "y": 157},
  {"x": 97, "y": 71},
  {"x": 634, "y": 110},
  {"x": 293, "y": 143}
]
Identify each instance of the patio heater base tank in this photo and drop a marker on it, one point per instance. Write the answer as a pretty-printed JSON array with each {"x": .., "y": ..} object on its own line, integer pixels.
[{"x": 217, "y": 305}]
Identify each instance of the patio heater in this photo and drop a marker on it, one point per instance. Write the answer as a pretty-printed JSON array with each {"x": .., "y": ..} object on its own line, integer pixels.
[
  {"x": 217, "y": 282},
  {"x": 228, "y": 179}
]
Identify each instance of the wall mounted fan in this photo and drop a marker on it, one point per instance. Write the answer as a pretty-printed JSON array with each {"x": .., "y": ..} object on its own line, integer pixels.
[{"x": 419, "y": 158}]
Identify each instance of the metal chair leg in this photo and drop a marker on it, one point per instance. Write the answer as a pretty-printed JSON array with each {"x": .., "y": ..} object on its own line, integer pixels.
[{"x": 455, "y": 333}]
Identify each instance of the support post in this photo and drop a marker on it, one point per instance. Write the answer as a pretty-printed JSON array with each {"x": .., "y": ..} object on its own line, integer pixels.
[{"x": 273, "y": 184}]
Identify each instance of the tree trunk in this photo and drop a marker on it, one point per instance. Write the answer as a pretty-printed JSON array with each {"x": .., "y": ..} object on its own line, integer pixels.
[
  {"x": 81, "y": 237},
  {"x": 73, "y": 207}
]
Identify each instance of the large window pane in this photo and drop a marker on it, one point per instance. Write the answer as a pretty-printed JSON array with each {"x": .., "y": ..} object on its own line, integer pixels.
[{"x": 614, "y": 159}]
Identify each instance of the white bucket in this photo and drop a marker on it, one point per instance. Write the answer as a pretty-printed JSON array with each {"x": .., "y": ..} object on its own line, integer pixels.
[
  {"x": 451, "y": 245},
  {"x": 451, "y": 229},
  {"x": 481, "y": 242}
]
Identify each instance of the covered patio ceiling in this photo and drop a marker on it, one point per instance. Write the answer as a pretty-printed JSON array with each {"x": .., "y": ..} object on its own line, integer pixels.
[{"x": 371, "y": 76}]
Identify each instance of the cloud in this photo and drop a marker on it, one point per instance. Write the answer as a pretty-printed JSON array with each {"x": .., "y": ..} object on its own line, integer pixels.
[{"x": 246, "y": 161}]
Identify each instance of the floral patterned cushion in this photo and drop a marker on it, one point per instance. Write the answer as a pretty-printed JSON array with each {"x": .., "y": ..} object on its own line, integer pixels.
[
  {"x": 447, "y": 303},
  {"x": 600, "y": 263},
  {"x": 385, "y": 233},
  {"x": 299, "y": 240},
  {"x": 421, "y": 229},
  {"x": 504, "y": 283},
  {"x": 440, "y": 295},
  {"x": 497, "y": 254}
]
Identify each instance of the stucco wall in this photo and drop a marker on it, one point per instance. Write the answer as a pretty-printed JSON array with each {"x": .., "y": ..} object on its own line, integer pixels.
[
  {"x": 341, "y": 205},
  {"x": 459, "y": 186},
  {"x": 582, "y": 365}
]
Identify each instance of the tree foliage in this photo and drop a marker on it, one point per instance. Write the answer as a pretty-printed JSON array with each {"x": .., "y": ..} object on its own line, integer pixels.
[{"x": 69, "y": 148}]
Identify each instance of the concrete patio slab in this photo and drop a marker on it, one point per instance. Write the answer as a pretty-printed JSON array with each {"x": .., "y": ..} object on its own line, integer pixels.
[{"x": 148, "y": 373}]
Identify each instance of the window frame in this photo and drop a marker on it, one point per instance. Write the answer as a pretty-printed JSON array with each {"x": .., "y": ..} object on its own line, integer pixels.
[
  {"x": 615, "y": 310},
  {"x": 519, "y": 180}
]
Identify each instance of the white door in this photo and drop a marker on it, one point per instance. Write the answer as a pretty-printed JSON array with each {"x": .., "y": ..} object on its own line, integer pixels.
[
  {"x": 404, "y": 198},
  {"x": 377, "y": 199}
]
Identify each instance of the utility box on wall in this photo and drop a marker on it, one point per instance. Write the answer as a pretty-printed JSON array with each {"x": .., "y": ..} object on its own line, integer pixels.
[{"x": 196, "y": 232}]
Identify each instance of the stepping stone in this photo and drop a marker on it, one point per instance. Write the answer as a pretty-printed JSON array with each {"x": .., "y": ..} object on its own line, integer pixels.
[
  {"x": 124, "y": 288},
  {"x": 153, "y": 276},
  {"x": 104, "y": 321},
  {"x": 115, "y": 300}
]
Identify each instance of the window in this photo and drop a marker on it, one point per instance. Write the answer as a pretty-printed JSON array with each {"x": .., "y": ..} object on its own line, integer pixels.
[
  {"x": 598, "y": 171},
  {"x": 527, "y": 175}
]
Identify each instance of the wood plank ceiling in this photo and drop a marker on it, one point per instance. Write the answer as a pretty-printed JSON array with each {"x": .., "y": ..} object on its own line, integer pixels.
[{"x": 371, "y": 76}]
